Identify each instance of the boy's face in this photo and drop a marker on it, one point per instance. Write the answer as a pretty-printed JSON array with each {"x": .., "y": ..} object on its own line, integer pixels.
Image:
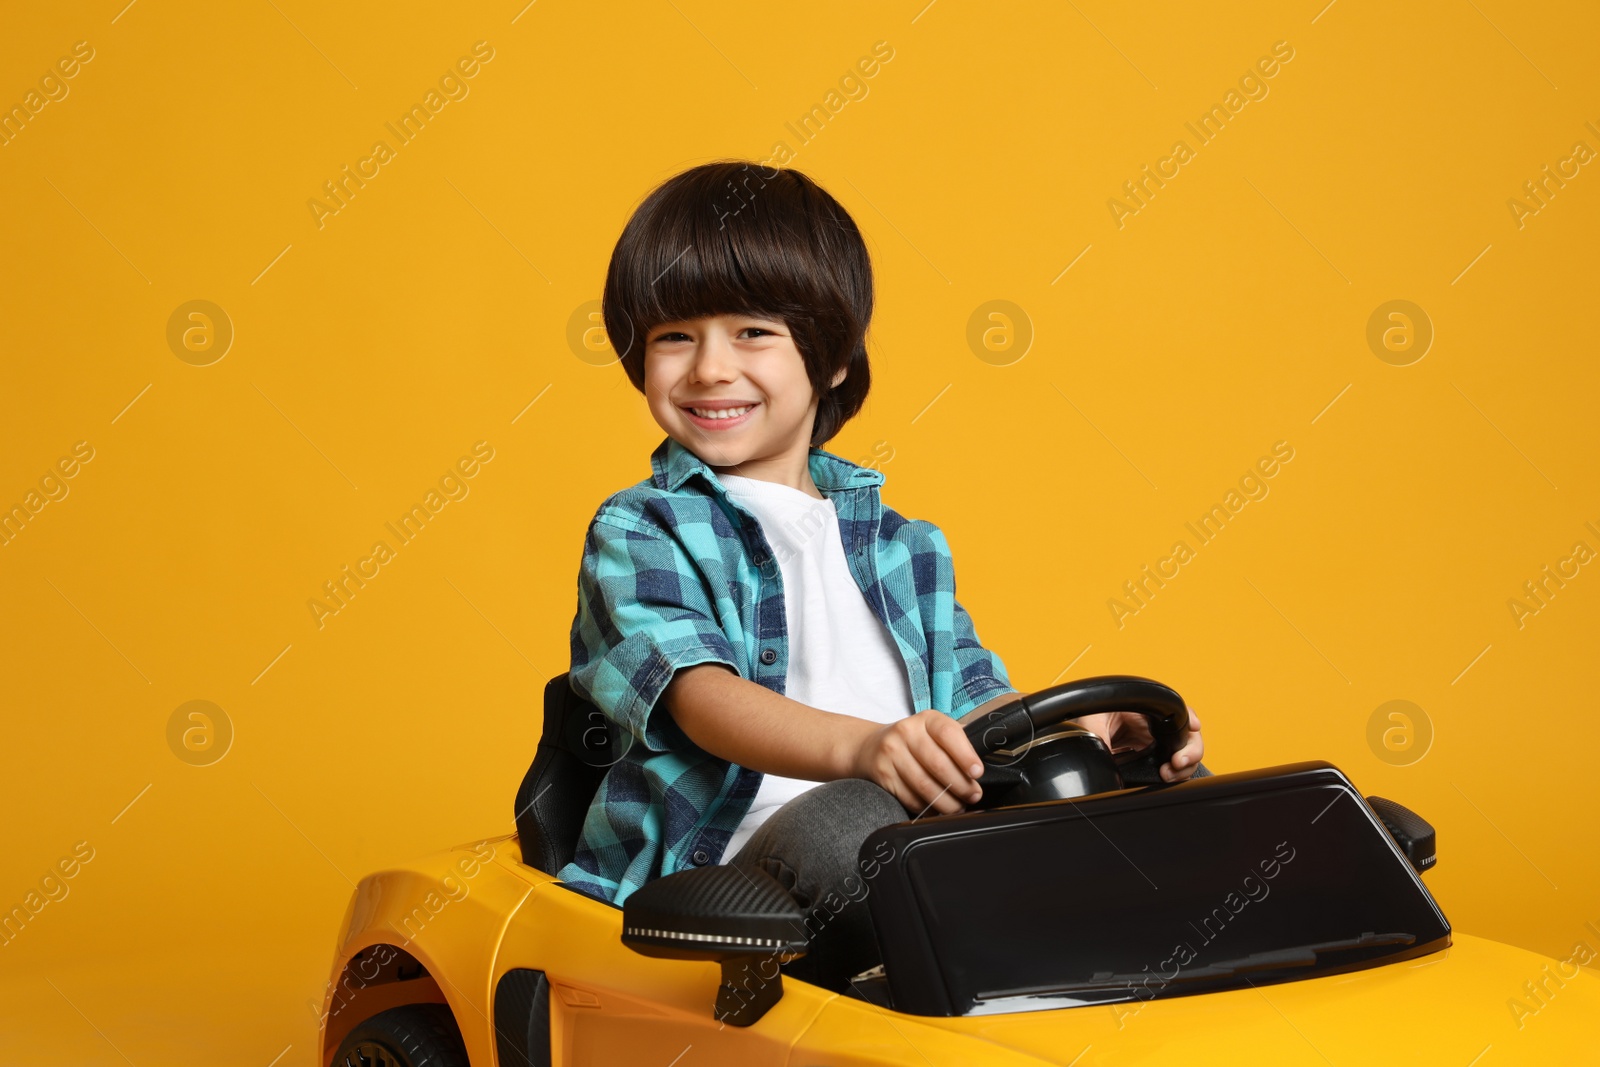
[{"x": 697, "y": 371}]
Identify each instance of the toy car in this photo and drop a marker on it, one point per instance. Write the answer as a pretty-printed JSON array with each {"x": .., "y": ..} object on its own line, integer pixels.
[{"x": 1271, "y": 916}]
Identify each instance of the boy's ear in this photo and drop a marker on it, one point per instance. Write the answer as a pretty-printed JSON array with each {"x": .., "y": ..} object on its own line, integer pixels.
[{"x": 837, "y": 378}]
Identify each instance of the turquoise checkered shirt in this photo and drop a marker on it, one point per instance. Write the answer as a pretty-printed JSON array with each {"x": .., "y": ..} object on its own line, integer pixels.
[{"x": 676, "y": 573}]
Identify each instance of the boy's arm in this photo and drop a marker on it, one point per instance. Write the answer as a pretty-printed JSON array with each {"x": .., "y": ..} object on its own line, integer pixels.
[
  {"x": 643, "y": 613},
  {"x": 924, "y": 760}
]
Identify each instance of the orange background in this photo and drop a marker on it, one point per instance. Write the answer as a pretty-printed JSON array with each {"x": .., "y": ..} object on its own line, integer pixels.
[{"x": 436, "y": 309}]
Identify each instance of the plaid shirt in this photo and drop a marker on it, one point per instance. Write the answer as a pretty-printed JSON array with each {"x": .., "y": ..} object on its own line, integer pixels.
[{"x": 675, "y": 573}]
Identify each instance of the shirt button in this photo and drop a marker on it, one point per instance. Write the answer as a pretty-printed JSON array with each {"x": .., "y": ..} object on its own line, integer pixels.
[
  {"x": 700, "y": 857},
  {"x": 768, "y": 656}
]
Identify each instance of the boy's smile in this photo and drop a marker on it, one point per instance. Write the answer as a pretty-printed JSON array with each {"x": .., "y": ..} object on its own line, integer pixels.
[
  {"x": 716, "y": 415},
  {"x": 733, "y": 389}
]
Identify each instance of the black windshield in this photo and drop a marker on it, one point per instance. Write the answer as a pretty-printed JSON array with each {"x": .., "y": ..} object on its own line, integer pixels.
[{"x": 1214, "y": 884}]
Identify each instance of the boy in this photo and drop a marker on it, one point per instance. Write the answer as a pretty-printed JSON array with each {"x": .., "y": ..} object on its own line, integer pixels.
[{"x": 752, "y": 616}]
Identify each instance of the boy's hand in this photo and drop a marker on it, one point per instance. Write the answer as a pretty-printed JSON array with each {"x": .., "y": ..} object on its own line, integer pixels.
[
  {"x": 925, "y": 760},
  {"x": 1122, "y": 730}
]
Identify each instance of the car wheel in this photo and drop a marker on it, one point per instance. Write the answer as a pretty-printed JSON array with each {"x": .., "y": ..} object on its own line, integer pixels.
[{"x": 413, "y": 1035}]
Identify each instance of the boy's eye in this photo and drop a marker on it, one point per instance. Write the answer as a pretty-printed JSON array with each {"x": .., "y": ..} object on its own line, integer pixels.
[{"x": 679, "y": 335}]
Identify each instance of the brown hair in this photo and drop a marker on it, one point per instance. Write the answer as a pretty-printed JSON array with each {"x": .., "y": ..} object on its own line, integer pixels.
[{"x": 734, "y": 237}]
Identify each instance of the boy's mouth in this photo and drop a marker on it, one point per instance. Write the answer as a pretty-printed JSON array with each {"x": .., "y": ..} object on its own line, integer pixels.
[{"x": 720, "y": 414}]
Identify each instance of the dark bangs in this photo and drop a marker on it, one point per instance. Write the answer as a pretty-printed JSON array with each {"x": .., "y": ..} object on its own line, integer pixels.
[{"x": 735, "y": 237}]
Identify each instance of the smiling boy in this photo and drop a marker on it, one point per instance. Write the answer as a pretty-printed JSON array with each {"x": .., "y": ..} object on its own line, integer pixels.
[{"x": 784, "y": 654}]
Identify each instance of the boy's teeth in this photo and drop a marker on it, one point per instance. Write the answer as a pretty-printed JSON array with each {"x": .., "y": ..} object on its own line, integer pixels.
[{"x": 725, "y": 413}]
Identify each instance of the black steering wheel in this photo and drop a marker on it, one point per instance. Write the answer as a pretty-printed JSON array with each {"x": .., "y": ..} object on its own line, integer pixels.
[{"x": 1033, "y": 750}]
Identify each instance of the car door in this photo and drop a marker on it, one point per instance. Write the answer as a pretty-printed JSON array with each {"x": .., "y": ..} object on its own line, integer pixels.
[{"x": 608, "y": 1004}]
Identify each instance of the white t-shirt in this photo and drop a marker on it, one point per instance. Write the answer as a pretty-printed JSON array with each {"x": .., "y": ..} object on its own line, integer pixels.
[{"x": 841, "y": 658}]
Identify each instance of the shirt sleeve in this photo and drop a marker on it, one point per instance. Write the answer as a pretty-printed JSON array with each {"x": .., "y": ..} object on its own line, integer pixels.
[
  {"x": 643, "y": 613},
  {"x": 980, "y": 676}
]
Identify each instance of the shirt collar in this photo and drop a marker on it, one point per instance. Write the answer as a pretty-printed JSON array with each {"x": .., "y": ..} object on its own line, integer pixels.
[{"x": 671, "y": 464}]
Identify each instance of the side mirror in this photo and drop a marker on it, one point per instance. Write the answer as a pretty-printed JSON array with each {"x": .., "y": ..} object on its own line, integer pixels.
[
  {"x": 742, "y": 919},
  {"x": 1410, "y": 831}
]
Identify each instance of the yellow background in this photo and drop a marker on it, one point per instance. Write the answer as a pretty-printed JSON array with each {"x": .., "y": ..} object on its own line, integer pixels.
[{"x": 369, "y": 354}]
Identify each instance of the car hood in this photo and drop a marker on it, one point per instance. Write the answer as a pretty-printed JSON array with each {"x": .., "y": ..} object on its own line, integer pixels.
[{"x": 1475, "y": 1001}]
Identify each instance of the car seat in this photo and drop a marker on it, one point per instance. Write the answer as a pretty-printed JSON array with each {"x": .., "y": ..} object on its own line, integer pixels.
[{"x": 575, "y": 750}]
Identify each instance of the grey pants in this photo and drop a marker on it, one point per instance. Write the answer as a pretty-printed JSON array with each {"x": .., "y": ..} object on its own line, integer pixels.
[{"x": 812, "y": 846}]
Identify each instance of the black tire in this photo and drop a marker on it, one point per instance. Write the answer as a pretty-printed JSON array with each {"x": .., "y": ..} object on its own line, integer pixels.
[{"x": 413, "y": 1035}]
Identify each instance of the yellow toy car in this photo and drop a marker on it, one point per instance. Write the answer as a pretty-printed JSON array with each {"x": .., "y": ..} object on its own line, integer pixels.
[{"x": 1271, "y": 916}]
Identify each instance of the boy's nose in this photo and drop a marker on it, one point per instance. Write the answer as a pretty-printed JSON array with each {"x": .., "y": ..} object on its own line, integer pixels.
[{"x": 713, "y": 360}]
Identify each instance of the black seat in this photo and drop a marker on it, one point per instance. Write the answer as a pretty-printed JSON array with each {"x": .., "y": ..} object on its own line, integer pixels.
[{"x": 574, "y": 753}]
